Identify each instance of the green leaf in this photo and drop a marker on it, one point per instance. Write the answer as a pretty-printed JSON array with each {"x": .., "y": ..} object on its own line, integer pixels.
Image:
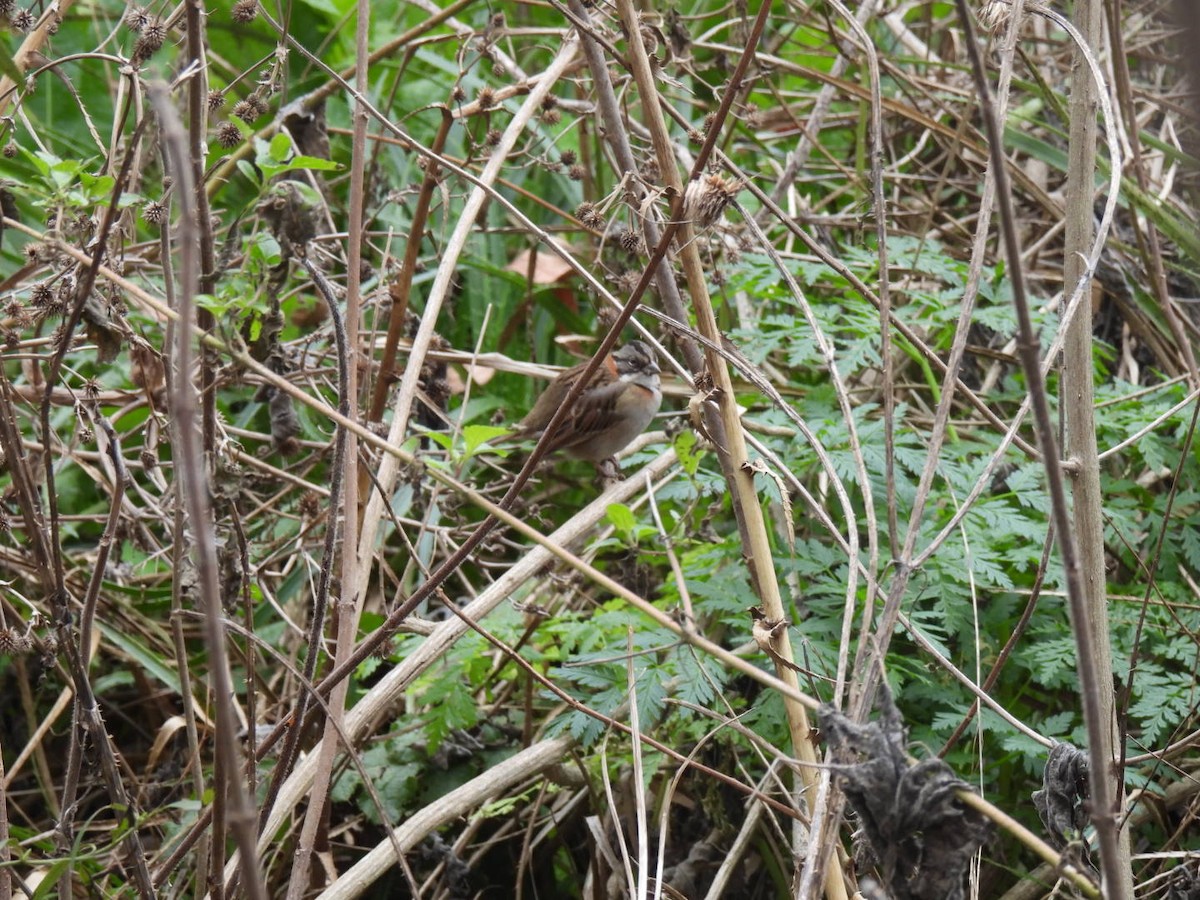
[
  {"x": 441, "y": 438},
  {"x": 247, "y": 168},
  {"x": 48, "y": 887},
  {"x": 270, "y": 170},
  {"x": 697, "y": 681},
  {"x": 65, "y": 172},
  {"x": 218, "y": 306},
  {"x": 583, "y": 728},
  {"x": 476, "y": 435},
  {"x": 333, "y": 10},
  {"x": 98, "y": 187},
  {"x": 451, "y": 706},
  {"x": 315, "y": 163},
  {"x": 396, "y": 786},
  {"x": 685, "y": 449},
  {"x": 261, "y": 247},
  {"x": 136, "y": 651},
  {"x": 622, "y": 518},
  {"x": 280, "y": 148}
]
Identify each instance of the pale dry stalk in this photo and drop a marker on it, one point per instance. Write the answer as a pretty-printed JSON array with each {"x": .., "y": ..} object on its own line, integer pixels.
[
  {"x": 1107, "y": 778},
  {"x": 758, "y": 550}
]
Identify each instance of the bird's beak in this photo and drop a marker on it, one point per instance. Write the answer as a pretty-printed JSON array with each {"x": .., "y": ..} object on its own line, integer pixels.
[{"x": 653, "y": 368}]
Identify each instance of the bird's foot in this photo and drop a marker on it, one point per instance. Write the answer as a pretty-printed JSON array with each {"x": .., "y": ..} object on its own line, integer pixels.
[{"x": 609, "y": 471}]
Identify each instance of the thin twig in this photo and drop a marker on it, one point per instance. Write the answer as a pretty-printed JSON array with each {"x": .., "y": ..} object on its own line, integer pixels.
[{"x": 190, "y": 464}]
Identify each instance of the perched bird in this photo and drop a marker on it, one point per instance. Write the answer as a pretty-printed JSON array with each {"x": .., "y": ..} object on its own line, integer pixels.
[{"x": 618, "y": 404}]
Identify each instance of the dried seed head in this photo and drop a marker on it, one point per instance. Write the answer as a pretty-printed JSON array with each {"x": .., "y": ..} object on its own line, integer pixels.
[
  {"x": 486, "y": 98},
  {"x": 569, "y": 157},
  {"x": 137, "y": 18},
  {"x": 498, "y": 68},
  {"x": 627, "y": 281},
  {"x": 551, "y": 116},
  {"x": 7, "y": 7},
  {"x": 590, "y": 216},
  {"x": 228, "y": 135},
  {"x": 493, "y": 137},
  {"x": 650, "y": 172},
  {"x": 497, "y": 21},
  {"x": 216, "y": 99},
  {"x": 10, "y": 149},
  {"x": 606, "y": 317},
  {"x": 141, "y": 52},
  {"x": 246, "y": 111},
  {"x": 154, "y": 213},
  {"x": 23, "y": 20},
  {"x": 576, "y": 172},
  {"x": 244, "y": 11},
  {"x": 549, "y": 101},
  {"x": 41, "y": 296},
  {"x": 458, "y": 94},
  {"x": 258, "y": 102},
  {"x": 13, "y": 643},
  {"x": 154, "y": 35},
  {"x": 630, "y": 241},
  {"x": 705, "y": 199}
]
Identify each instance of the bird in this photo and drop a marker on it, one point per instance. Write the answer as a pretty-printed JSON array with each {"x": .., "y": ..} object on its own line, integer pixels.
[{"x": 616, "y": 406}]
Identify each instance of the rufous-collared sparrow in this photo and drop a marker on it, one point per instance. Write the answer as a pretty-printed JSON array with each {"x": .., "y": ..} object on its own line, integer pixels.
[{"x": 618, "y": 404}]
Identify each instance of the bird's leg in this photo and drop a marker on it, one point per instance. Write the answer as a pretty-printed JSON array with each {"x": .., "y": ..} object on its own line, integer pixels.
[{"x": 609, "y": 471}]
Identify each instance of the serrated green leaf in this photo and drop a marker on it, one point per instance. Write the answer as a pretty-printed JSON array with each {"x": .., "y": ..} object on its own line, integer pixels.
[
  {"x": 685, "y": 448},
  {"x": 621, "y": 517}
]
